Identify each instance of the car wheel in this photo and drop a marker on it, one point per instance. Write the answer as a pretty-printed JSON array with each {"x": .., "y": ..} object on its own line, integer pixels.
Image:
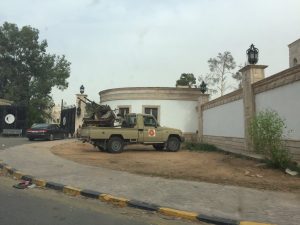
[
  {"x": 173, "y": 144},
  {"x": 159, "y": 147},
  {"x": 30, "y": 139},
  {"x": 115, "y": 145},
  {"x": 51, "y": 137}
]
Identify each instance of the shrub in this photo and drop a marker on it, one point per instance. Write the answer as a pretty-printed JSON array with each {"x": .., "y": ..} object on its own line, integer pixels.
[
  {"x": 200, "y": 147},
  {"x": 266, "y": 130}
]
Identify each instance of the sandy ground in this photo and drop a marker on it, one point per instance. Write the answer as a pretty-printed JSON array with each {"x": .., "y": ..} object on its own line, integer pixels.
[{"x": 214, "y": 167}]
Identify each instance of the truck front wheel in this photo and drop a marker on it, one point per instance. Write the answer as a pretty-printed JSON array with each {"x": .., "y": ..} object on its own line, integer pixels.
[
  {"x": 115, "y": 145},
  {"x": 173, "y": 144}
]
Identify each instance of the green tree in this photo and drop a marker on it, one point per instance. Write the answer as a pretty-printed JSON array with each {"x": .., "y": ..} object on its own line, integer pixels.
[
  {"x": 186, "y": 79},
  {"x": 220, "y": 68},
  {"x": 238, "y": 76},
  {"x": 27, "y": 72}
]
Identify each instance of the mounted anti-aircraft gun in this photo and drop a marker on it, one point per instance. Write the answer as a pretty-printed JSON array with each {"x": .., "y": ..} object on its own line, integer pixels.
[{"x": 100, "y": 115}]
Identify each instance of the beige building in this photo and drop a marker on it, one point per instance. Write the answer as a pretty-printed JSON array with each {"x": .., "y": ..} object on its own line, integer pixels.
[
  {"x": 55, "y": 114},
  {"x": 294, "y": 53},
  {"x": 172, "y": 107}
]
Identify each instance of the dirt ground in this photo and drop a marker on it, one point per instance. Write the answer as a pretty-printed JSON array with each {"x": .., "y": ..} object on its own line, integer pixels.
[{"x": 214, "y": 167}]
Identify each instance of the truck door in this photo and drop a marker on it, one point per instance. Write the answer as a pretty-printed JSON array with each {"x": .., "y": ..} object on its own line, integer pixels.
[
  {"x": 130, "y": 129},
  {"x": 152, "y": 131}
]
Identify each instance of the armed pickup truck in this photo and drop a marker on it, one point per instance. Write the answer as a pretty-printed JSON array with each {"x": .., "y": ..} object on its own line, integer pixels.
[{"x": 135, "y": 129}]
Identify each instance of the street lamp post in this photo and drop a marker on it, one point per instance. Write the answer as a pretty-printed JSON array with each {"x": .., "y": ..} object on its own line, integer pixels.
[
  {"x": 252, "y": 54},
  {"x": 203, "y": 87},
  {"x": 81, "y": 89},
  {"x": 78, "y": 110}
]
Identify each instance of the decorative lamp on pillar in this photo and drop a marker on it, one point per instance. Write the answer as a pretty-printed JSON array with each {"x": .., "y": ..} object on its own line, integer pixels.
[
  {"x": 203, "y": 87},
  {"x": 78, "y": 111},
  {"x": 252, "y": 54},
  {"x": 81, "y": 89}
]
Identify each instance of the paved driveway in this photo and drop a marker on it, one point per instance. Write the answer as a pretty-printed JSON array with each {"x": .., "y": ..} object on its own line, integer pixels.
[{"x": 7, "y": 142}]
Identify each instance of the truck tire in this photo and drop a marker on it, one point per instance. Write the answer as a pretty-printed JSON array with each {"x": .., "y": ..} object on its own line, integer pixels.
[
  {"x": 173, "y": 144},
  {"x": 159, "y": 147},
  {"x": 115, "y": 145}
]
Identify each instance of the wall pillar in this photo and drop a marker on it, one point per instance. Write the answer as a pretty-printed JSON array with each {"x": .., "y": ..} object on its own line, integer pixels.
[
  {"x": 80, "y": 103},
  {"x": 201, "y": 100},
  {"x": 250, "y": 75}
]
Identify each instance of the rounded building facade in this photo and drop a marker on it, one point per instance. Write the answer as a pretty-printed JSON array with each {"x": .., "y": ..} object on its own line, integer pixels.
[{"x": 173, "y": 107}]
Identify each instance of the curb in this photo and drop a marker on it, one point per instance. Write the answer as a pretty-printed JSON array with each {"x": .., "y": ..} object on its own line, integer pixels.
[
  {"x": 71, "y": 191},
  {"x": 119, "y": 201}
]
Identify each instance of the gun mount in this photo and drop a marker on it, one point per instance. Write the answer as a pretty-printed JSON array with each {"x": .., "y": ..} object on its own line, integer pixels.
[{"x": 99, "y": 115}]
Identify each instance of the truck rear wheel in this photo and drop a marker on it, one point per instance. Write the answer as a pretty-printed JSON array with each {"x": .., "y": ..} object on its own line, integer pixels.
[
  {"x": 159, "y": 147},
  {"x": 115, "y": 145},
  {"x": 173, "y": 144}
]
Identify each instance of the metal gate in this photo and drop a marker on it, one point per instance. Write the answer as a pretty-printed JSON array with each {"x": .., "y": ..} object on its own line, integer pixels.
[
  {"x": 12, "y": 117},
  {"x": 67, "y": 119}
]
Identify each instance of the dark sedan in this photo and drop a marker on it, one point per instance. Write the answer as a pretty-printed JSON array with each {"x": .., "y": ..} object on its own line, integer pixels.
[{"x": 45, "y": 131}]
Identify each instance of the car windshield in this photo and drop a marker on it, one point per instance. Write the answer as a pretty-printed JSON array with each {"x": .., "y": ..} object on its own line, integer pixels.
[{"x": 40, "y": 126}]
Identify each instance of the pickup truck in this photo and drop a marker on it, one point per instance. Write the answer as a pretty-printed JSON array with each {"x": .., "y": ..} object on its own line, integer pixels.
[{"x": 135, "y": 129}]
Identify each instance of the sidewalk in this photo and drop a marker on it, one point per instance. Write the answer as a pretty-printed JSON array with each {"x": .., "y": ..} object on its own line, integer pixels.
[{"x": 211, "y": 199}]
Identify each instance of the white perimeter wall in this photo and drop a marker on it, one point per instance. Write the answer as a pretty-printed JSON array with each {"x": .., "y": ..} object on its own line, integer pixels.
[
  {"x": 176, "y": 114},
  {"x": 286, "y": 101},
  {"x": 225, "y": 120}
]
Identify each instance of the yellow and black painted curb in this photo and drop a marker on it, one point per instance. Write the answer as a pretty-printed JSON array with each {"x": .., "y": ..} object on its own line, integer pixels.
[{"x": 73, "y": 191}]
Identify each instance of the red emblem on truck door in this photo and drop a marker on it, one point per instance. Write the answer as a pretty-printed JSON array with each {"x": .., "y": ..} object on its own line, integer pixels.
[{"x": 151, "y": 133}]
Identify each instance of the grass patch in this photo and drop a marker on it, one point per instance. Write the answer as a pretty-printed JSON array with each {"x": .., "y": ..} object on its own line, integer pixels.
[{"x": 201, "y": 147}]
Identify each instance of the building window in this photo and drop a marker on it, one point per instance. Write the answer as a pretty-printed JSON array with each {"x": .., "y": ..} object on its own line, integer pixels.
[
  {"x": 295, "y": 62},
  {"x": 124, "y": 110},
  {"x": 152, "y": 110}
]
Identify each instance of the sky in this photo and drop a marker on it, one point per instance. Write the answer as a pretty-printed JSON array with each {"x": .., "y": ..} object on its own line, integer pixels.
[{"x": 150, "y": 43}]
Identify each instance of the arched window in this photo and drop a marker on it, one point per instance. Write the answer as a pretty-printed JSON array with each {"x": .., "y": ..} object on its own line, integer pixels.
[{"x": 295, "y": 62}]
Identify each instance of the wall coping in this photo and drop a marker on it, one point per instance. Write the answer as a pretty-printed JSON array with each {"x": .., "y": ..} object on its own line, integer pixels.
[
  {"x": 230, "y": 97},
  {"x": 282, "y": 78},
  {"x": 150, "y": 93},
  {"x": 250, "y": 66}
]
